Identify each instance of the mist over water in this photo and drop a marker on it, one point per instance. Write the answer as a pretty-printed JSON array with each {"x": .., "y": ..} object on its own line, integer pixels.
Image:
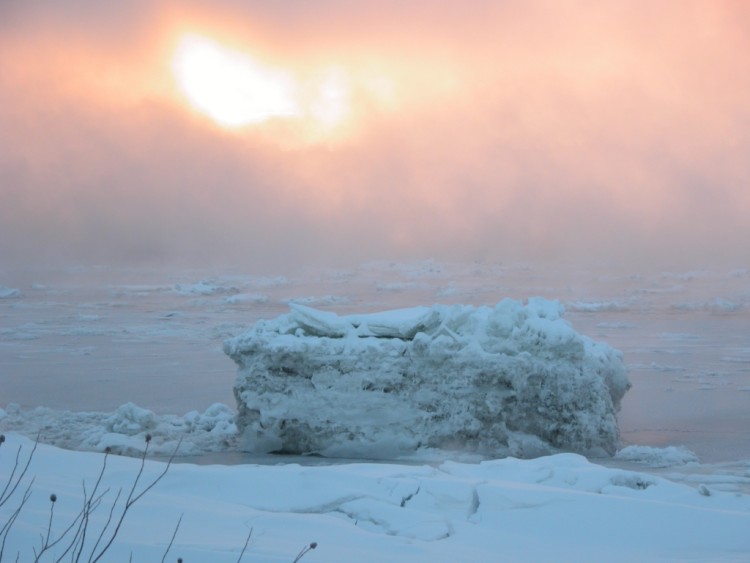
[{"x": 593, "y": 133}]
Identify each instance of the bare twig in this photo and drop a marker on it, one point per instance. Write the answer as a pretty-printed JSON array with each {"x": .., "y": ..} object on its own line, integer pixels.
[
  {"x": 9, "y": 524},
  {"x": 106, "y": 524},
  {"x": 171, "y": 541},
  {"x": 89, "y": 505},
  {"x": 12, "y": 484},
  {"x": 90, "y": 502},
  {"x": 132, "y": 499},
  {"x": 305, "y": 549},
  {"x": 76, "y": 544},
  {"x": 244, "y": 547},
  {"x": 45, "y": 538}
]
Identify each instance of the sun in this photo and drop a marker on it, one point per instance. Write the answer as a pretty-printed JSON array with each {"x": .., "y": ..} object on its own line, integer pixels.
[
  {"x": 303, "y": 102},
  {"x": 231, "y": 87}
]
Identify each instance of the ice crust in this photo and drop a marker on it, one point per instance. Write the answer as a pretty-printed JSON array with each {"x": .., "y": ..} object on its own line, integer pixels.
[{"x": 512, "y": 379}]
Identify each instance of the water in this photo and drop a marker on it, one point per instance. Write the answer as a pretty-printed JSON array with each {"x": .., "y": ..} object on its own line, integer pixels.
[{"x": 90, "y": 339}]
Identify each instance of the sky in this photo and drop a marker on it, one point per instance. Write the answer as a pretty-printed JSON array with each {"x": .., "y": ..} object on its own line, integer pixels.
[{"x": 269, "y": 135}]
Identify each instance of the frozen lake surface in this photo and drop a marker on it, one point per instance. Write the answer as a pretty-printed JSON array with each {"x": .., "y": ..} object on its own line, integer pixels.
[{"x": 91, "y": 339}]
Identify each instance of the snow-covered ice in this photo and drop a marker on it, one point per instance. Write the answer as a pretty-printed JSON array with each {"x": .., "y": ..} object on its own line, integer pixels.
[
  {"x": 246, "y": 298},
  {"x": 124, "y": 429},
  {"x": 657, "y": 457},
  {"x": 510, "y": 379},
  {"x": 553, "y": 508},
  {"x": 206, "y": 287},
  {"x": 596, "y": 306}
]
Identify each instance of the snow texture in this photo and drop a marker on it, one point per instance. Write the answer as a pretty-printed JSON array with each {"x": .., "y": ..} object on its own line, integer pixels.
[{"x": 512, "y": 379}]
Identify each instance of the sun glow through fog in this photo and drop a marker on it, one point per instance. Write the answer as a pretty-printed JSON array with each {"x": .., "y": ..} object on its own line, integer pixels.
[
  {"x": 235, "y": 90},
  {"x": 230, "y": 87}
]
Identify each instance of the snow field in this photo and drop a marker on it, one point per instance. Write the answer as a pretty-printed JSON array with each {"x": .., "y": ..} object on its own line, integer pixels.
[{"x": 559, "y": 507}]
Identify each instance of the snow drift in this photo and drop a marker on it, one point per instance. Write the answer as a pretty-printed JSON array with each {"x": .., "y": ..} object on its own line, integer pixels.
[{"x": 512, "y": 379}]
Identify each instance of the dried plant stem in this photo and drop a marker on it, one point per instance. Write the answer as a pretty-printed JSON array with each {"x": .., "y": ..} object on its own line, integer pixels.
[
  {"x": 305, "y": 549},
  {"x": 171, "y": 541},
  {"x": 131, "y": 500},
  {"x": 244, "y": 547}
]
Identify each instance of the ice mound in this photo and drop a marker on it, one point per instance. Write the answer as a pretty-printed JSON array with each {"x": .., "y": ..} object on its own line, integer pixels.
[
  {"x": 125, "y": 429},
  {"x": 512, "y": 379},
  {"x": 657, "y": 457},
  {"x": 203, "y": 288}
]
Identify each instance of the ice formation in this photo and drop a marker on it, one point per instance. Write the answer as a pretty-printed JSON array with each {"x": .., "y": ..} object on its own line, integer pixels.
[
  {"x": 657, "y": 457},
  {"x": 203, "y": 288},
  {"x": 9, "y": 292},
  {"x": 512, "y": 379},
  {"x": 124, "y": 430}
]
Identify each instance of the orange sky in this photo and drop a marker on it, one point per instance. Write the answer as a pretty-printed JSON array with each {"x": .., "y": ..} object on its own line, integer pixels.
[{"x": 514, "y": 130}]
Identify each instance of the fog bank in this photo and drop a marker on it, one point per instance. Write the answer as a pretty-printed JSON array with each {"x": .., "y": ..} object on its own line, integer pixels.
[{"x": 589, "y": 131}]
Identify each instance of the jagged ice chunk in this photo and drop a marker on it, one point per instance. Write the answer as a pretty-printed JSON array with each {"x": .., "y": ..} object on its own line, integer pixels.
[{"x": 512, "y": 379}]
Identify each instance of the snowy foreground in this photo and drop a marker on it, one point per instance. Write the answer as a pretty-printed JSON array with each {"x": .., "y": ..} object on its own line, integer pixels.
[{"x": 554, "y": 508}]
